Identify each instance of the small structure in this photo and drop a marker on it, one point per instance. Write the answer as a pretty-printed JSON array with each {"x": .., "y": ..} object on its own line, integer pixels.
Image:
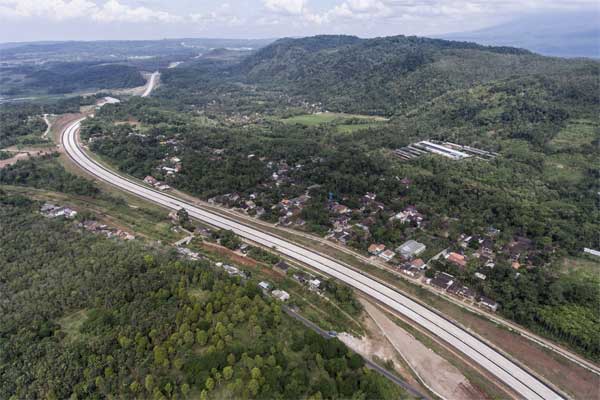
[
  {"x": 411, "y": 249},
  {"x": 375, "y": 249},
  {"x": 150, "y": 180},
  {"x": 282, "y": 266},
  {"x": 442, "y": 280},
  {"x": 280, "y": 295},
  {"x": 457, "y": 259},
  {"x": 231, "y": 270},
  {"x": 314, "y": 284},
  {"x": 488, "y": 303},
  {"x": 387, "y": 255},
  {"x": 266, "y": 286},
  {"x": 53, "y": 211},
  {"x": 409, "y": 270},
  {"x": 458, "y": 289},
  {"x": 481, "y": 276}
]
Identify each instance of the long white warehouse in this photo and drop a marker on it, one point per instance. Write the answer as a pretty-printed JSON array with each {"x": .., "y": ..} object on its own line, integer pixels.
[{"x": 491, "y": 360}]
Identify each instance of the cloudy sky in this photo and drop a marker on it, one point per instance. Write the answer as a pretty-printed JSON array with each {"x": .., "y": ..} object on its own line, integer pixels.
[{"x": 26, "y": 20}]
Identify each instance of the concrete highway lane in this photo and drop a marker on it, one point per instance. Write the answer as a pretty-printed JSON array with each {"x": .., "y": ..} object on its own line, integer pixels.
[{"x": 498, "y": 365}]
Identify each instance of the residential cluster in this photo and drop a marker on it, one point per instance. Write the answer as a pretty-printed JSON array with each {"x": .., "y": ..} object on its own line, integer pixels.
[
  {"x": 50, "y": 210},
  {"x": 152, "y": 181},
  {"x": 108, "y": 231}
]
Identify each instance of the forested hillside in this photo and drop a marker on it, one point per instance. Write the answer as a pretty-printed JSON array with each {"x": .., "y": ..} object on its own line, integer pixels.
[
  {"x": 384, "y": 75},
  {"x": 89, "y": 317},
  {"x": 62, "y": 78}
]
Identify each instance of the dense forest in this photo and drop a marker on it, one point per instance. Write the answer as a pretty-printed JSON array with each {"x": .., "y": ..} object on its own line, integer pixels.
[
  {"x": 59, "y": 78},
  {"x": 46, "y": 173},
  {"x": 88, "y": 317},
  {"x": 23, "y": 122}
]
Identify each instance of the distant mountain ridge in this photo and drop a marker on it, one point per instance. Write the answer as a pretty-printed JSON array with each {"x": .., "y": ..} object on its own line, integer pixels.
[{"x": 566, "y": 34}]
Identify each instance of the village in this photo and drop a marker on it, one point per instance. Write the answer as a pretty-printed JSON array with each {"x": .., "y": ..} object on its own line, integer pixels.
[{"x": 50, "y": 210}]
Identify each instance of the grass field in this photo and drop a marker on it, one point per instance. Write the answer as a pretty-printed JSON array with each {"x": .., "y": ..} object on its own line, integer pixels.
[
  {"x": 578, "y": 133},
  {"x": 339, "y": 119},
  {"x": 585, "y": 266}
]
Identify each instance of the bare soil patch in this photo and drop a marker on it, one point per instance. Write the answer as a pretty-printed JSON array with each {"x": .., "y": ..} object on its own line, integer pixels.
[
  {"x": 439, "y": 375},
  {"x": 24, "y": 154}
]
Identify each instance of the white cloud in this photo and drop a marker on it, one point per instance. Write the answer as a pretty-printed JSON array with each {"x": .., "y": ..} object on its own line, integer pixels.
[
  {"x": 291, "y": 7},
  {"x": 223, "y": 15},
  {"x": 113, "y": 11},
  {"x": 58, "y": 10},
  {"x": 53, "y": 9},
  {"x": 361, "y": 9}
]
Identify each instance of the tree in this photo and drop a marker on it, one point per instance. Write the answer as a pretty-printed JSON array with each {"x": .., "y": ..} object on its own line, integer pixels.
[
  {"x": 185, "y": 389},
  {"x": 228, "y": 372},
  {"x": 231, "y": 359},
  {"x": 149, "y": 383},
  {"x": 183, "y": 216},
  {"x": 209, "y": 384},
  {"x": 201, "y": 337},
  {"x": 253, "y": 386}
]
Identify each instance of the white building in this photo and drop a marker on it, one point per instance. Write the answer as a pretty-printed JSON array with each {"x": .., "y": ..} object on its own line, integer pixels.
[
  {"x": 281, "y": 295},
  {"x": 314, "y": 283}
]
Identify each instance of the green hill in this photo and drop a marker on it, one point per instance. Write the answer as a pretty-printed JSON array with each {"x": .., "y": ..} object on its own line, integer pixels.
[{"x": 387, "y": 75}]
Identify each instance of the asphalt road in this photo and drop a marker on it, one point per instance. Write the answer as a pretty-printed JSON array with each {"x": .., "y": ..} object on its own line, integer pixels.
[{"x": 498, "y": 365}]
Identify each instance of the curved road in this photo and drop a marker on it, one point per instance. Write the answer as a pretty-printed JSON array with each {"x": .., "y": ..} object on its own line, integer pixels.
[{"x": 501, "y": 367}]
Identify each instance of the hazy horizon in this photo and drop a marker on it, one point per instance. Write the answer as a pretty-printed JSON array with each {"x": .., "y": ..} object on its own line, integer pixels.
[{"x": 86, "y": 20}]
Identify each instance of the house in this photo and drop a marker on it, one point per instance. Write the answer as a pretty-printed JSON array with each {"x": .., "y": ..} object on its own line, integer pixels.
[
  {"x": 52, "y": 211},
  {"x": 457, "y": 259},
  {"x": 231, "y": 270},
  {"x": 376, "y": 248},
  {"x": 266, "y": 286},
  {"x": 281, "y": 295},
  {"x": 300, "y": 200},
  {"x": 370, "y": 196},
  {"x": 314, "y": 284},
  {"x": 387, "y": 255},
  {"x": 410, "y": 249},
  {"x": 418, "y": 263},
  {"x": 47, "y": 208},
  {"x": 341, "y": 209},
  {"x": 300, "y": 278},
  {"x": 458, "y": 289},
  {"x": 488, "y": 303},
  {"x": 150, "y": 180},
  {"x": 441, "y": 280},
  {"x": 409, "y": 215},
  {"x": 282, "y": 266},
  {"x": 409, "y": 270}
]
